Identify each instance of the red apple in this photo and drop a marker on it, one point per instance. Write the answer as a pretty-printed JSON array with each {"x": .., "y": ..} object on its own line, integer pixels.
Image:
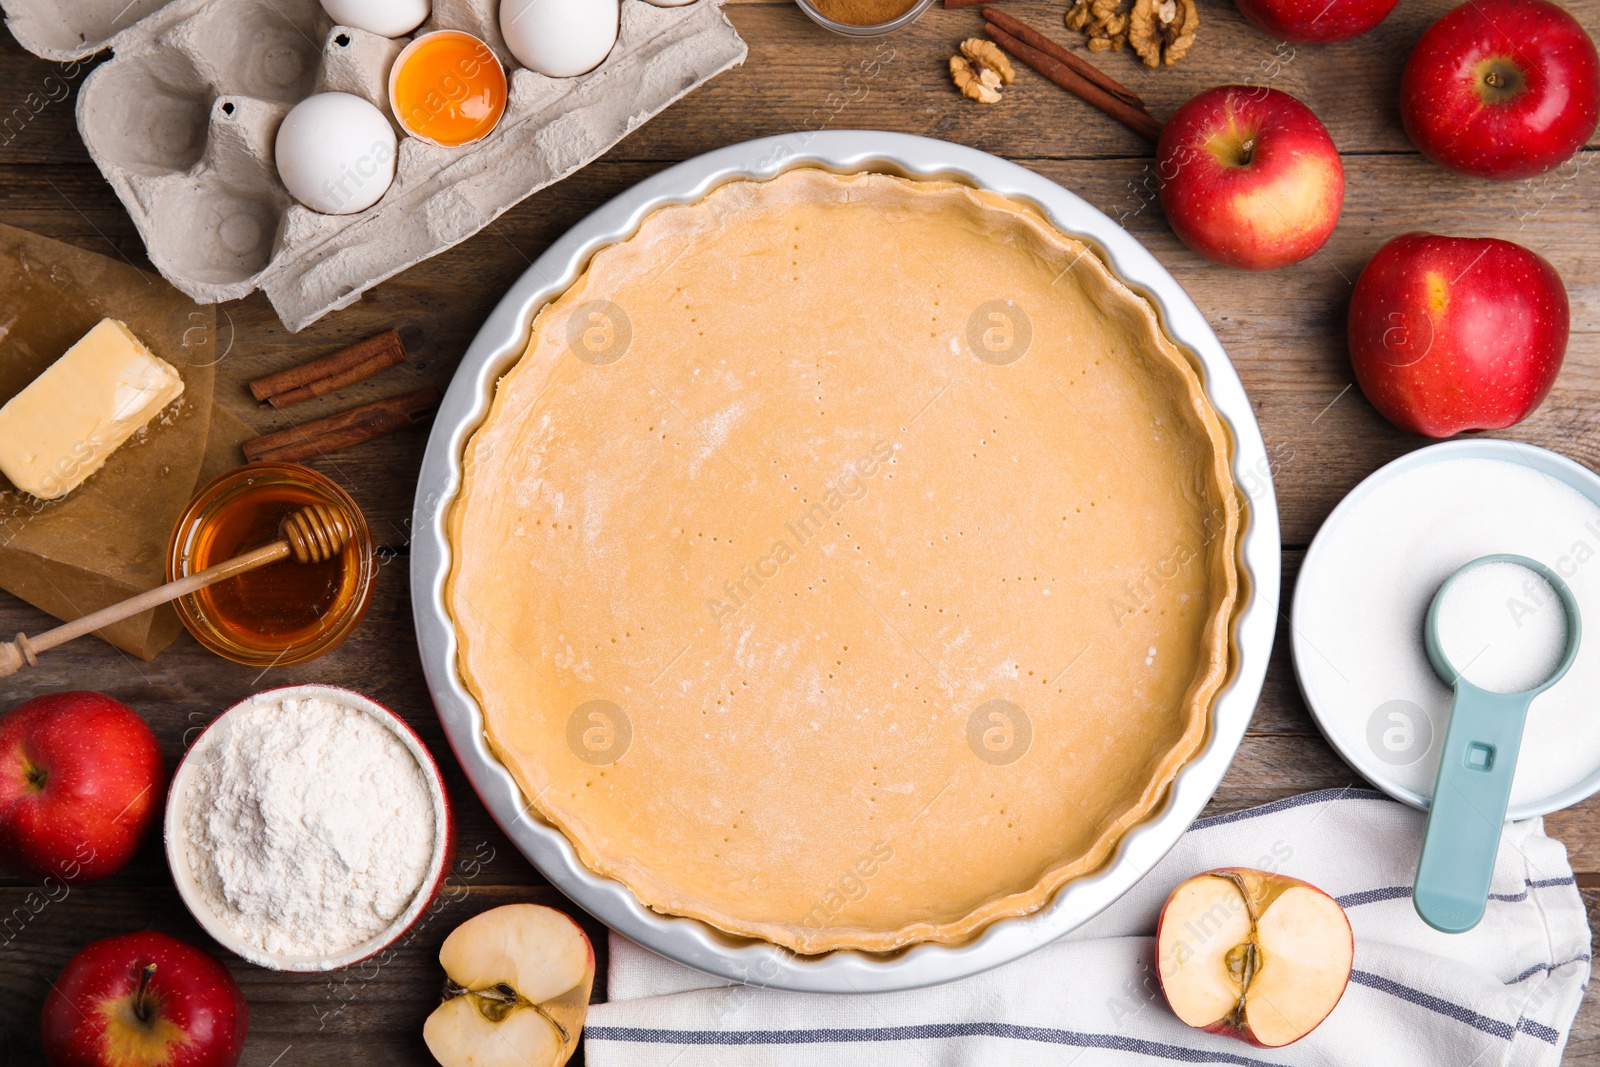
[
  {"x": 80, "y": 785},
  {"x": 1315, "y": 21},
  {"x": 144, "y": 1000},
  {"x": 1502, "y": 89},
  {"x": 518, "y": 979},
  {"x": 1456, "y": 333},
  {"x": 1248, "y": 177},
  {"x": 1254, "y": 955}
]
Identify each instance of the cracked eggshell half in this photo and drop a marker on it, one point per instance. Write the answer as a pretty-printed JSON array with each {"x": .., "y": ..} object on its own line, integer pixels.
[
  {"x": 386, "y": 18},
  {"x": 448, "y": 88},
  {"x": 336, "y": 153},
  {"x": 560, "y": 38}
]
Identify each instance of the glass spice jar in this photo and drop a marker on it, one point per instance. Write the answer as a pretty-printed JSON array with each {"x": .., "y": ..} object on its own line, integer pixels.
[{"x": 832, "y": 15}]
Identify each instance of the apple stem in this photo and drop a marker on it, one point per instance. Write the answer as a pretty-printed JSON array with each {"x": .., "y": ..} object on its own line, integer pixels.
[
  {"x": 562, "y": 1030},
  {"x": 141, "y": 996},
  {"x": 1246, "y": 151},
  {"x": 1494, "y": 80},
  {"x": 1244, "y": 892},
  {"x": 36, "y": 777}
]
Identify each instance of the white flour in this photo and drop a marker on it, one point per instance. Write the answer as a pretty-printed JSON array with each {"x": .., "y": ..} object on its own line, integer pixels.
[{"x": 310, "y": 826}]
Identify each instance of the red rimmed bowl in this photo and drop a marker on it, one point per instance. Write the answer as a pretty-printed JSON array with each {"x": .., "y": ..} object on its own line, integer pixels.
[{"x": 175, "y": 826}]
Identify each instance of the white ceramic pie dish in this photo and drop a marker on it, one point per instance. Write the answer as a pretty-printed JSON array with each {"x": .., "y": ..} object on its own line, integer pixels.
[{"x": 502, "y": 340}]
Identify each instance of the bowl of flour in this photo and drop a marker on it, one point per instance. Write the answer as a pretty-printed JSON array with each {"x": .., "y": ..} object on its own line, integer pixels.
[{"x": 307, "y": 828}]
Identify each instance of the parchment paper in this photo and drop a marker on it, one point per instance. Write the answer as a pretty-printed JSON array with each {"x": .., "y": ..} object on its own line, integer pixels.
[{"x": 107, "y": 539}]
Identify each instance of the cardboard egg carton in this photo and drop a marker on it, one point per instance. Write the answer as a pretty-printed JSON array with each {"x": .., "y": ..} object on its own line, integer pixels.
[{"x": 182, "y": 119}]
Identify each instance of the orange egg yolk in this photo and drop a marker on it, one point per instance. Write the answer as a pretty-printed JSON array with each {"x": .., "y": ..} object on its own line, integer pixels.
[{"x": 450, "y": 90}]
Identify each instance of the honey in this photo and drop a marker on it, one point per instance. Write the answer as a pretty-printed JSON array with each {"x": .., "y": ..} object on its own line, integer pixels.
[
  {"x": 286, "y": 612},
  {"x": 448, "y": 88}
]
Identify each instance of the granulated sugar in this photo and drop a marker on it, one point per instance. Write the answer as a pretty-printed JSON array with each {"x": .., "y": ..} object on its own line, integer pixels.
[
  {"x": 310, "y": 826},
  {"x": 1365, "y": 590},
  {"x": 1502, "y": 627}
]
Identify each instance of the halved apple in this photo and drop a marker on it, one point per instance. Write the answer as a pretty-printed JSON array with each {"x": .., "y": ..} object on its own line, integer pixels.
[
  {"x": 1258, "y": 956},
  {"x": 518, "y": 990}
]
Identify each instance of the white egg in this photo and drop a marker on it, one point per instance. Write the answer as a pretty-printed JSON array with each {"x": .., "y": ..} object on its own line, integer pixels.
[
  {"x": 560, "y": 38},
  {"x": 336, "y": 153},
  {"x": 386, "y": 18}
]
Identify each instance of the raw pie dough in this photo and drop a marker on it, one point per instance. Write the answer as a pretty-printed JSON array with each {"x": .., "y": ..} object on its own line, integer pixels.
[{"x": 848, "y": 562}]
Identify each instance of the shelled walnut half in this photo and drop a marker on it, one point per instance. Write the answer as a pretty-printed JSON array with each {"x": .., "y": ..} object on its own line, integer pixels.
[
  {"x": 1104, "y": 23},
  {"x": 1161, "y": 31},
  {"x": 980, "y": 70}
]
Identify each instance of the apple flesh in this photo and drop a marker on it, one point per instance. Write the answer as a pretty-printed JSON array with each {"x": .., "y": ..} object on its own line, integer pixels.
[
  {"x": 144, "y": 1000},
  {"x": 80, "y": 786},
  {"x": 1254, "y": 955},
  {"x": 1502, "y": 89},
  {"x": 1457, "y": 333},
  {"x": 1315, "y": 21},
  {"x": 518, "y": 991},
  {"x": 1249, "y": 177}
]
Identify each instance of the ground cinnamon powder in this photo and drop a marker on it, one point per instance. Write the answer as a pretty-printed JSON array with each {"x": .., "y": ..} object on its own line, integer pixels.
[{"x": 863, "y": 12}]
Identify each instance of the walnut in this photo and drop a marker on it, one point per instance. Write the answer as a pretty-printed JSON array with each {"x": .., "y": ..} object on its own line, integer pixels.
[
  {"x": 1104, "y": 23},
  {"x": 980, "y": 70},
  {"x": 1161, "y": 31}
]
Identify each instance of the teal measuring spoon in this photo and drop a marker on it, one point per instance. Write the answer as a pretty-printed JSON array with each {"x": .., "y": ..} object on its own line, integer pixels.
[{"x": 1473, "y": 787}]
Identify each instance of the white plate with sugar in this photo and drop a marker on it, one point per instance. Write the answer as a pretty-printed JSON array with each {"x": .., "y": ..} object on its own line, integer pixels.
[{"x": 1364, "y": 591}]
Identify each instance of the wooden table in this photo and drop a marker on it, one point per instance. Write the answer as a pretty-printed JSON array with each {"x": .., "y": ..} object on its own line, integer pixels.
[{"x": 1285, "y": 331}]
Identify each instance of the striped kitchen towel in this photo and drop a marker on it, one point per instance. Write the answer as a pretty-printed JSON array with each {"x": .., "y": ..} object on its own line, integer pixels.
[{"x": 1503, "y": 994}]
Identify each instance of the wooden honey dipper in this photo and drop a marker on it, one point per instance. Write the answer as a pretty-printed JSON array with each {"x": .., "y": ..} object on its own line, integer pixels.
[{"x": 311, "y": 535}]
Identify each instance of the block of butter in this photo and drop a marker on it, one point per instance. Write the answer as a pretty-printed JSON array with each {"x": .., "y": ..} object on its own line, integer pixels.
[{"x": 65, "y": 425}]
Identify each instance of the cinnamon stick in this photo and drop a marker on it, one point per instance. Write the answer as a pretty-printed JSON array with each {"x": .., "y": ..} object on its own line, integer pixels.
[
  {"x": 1030, "y": 36},
  {"x": 965, "y": 3},
  {"x": 345, "y": 429},
  {"x": 1140, "y": 122},
  {"x": 322, "y": 376}
]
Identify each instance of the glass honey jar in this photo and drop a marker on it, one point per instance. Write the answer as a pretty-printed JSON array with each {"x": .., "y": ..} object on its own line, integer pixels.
[{"x": 284, "y": 613}]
